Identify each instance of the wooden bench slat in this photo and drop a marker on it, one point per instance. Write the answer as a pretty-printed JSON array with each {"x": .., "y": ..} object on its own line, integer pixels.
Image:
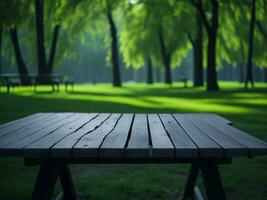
[
  {"x": 207, "y": 147},
  {"x": 184, "y": 146},
  {"x": 254, "y": 145},
  {"x": 16, "y": 126},
  {"x": 231, "y": 147},
  {"x": 138, "y": 145},
  {"x": 26, "y": 131},
  {"x": 114, "y": 143},
  {"x": 161, "y": 143},
  {"x": 64, "y": 147},
  {"x": 23, "y": 119},
  {"x": 40, "y": 148},
  {"x": 16, "y": 148},
  {"x": 88, "y": 145}
]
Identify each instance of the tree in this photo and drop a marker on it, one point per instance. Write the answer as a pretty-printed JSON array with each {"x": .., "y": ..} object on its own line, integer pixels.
[
  {"x": 155, "y": 30},
  {"x": 211, "y": 29},
  {"x": 12, "y": 15},
  {"x": 196, "y": 42},
  {"x": 114, "y": 48},
  {"x": 23, "y": 72},
  {"x": 249, "y": 74}
]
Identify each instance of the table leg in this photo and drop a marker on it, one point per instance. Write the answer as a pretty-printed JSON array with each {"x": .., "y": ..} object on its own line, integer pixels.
[
  {"x": 46, "y": 180},
  {"x": 67, "y": 185},
  {"x": 211, "y": 178},
  {"x": 191, "y": 181},
  {"x": 212, "y": 181}
]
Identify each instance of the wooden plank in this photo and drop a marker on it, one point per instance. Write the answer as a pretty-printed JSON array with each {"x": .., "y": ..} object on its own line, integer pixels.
[
  {"x": 41, "y": 147},
  {"x": 183, "y": 144},
  {"x": 24, "y": 132},
  {"x": 138, "y": 145},
  {"x": 88, "y": 145},
  {"x": 254, "y": 145},
  {"x": 16, "y": 148},
  {"x": 113, "y": 145},
  {"x": 207, "y": 147},
  {"x": 16, "y": 126},
  {"x": 211, "y": 116},
  {"x": 23, "y": 119},
  {"x": 64, "y": 147},
  {"x": 231, "y": 147},
  {"x": 161, "y": 143}
]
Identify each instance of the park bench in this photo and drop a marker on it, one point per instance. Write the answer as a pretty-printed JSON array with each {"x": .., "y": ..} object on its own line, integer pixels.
[
  {"x": 54, "y": 140},
  {"x": 13, "y": 80},
  {"x": 8, "y": 82},
  {"x": 184, "y": 80}
]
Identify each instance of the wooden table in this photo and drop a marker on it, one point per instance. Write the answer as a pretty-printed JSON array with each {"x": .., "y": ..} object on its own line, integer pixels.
[
  {"x": 55, "y": 140},
  {"x": 7, "y": 80}
]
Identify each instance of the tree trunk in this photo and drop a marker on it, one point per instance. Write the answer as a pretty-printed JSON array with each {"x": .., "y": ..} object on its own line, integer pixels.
[
  {"x": 42, "y": 66},
  {"x": 241, "y": 73},
  {"x": 212, "y": 82},
  {"x": 149, "y": 72},
  {"x": 166, "y": 57},
  {"x": 53, "y": 49},
  {"x": 23, "y": 72},
  {"x": 211, "y": 28},
  {"x": 114, "y": 51},
  {"x": 249, "y": 75},
  {"x": 198, "y": 55},
  {"x": 1, "y": 35}
]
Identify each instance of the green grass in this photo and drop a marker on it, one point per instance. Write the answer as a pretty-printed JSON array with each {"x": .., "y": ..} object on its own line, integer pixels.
[{"x": 244, "y": 179}]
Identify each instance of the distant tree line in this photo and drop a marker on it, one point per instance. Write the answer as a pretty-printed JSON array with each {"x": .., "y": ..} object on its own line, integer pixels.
[{"x": 138, "y": 33}]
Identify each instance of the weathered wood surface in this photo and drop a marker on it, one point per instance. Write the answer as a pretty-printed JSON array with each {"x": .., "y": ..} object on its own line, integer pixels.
[{"x": 130, "y": 136}]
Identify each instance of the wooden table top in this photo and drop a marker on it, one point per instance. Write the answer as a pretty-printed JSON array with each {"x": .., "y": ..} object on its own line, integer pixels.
[{"x": 115, "y": 135}]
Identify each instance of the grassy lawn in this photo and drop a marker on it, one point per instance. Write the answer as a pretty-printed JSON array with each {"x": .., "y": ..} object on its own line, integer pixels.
[{"x": 244, "y": 179}]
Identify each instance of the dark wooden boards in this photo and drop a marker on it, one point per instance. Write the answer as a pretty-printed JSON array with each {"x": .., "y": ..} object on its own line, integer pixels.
[
  {"x": 138, "y": 145},
  {"x": 207, "y": 147},
  {"x": 231, "y": 147},
  {"x": 184, "y": 146},
  {"x": 64, "y": 147},
  {"x": 20, "y": 120},
  {"x": 108, "y": 136},
  {"x": 88, "y": 145},
  {"x": 24, "y": 123},
  {"x": 115, "y": 141},
  {"x": 19, "y": 134},
  {"x": 41, "y": 147},
  {"x": 16, "y": 147},
  {"x": 161, "y": 143}
]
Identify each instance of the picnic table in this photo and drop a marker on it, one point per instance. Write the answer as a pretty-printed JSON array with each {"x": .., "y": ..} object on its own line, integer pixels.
[
  {"x": 11, "y": 80},
  {"x": 55, "y": 140}
]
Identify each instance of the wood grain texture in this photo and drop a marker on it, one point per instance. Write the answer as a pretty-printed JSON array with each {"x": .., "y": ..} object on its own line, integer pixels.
[
  {"x": 254, "y": 145},
  {"x": 19, "y": 134},
  {"x": 211, "y": 116},
  {"x": 23, "y": 119},
  {"x": 16, "y": 148},
  {"x": 161, "y": 143},
  {"x": 183, "y": 144},
  {"x": 88, "y": 145},
  {"x": 231, "y": 147},
  {"x": 123, "y": 137},
  {"x": 114, "y": 143},
  {"x": 207, "y": 147},
  {"x": 24, "y": 124},
  {"x": 41, "y": 147},
  {"x": 64, "y": 147},
  {"x": 138, "y": 145}
]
